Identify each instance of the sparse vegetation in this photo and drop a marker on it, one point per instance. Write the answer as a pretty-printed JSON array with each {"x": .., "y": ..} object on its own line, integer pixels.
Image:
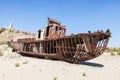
[
  {"x": 113, "y": 51},
  {"x": 3, "y": 43},
  {"x": 112, "y": 54},
  {"x": 84, "y": 74},
  {"x": 17, "y": 65},
  {"x": 55, "y": 78},
  {"x": 118, "y": 53},
  {"x": 25, "y": 62},
  {"x": 1, "y": 53}
]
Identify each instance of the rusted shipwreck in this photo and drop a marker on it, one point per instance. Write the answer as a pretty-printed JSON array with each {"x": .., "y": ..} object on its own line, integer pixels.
[{"x": 52, "y": 42}]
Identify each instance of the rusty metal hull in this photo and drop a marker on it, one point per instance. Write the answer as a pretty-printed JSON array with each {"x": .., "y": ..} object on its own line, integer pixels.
[{"x": 74, "y": 48}]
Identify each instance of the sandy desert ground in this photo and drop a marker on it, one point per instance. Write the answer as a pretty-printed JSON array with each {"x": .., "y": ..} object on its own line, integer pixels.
[{"x": 16, "y": 67}]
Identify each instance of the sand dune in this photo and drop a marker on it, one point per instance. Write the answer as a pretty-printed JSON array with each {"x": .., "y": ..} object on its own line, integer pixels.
[{"x": 16, "y": 67}]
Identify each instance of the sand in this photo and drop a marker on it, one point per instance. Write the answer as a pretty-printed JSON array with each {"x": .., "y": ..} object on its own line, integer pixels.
[{"x": 104, "y": 67}]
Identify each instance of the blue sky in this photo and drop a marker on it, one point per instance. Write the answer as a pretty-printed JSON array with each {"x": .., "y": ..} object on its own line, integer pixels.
[{"x": 77, "y": 15}]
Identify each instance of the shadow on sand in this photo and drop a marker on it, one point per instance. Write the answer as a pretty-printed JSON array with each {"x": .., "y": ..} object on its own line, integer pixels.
[
  {"x": 92, "y": 64},
  {"x": 80, "y": 63}
]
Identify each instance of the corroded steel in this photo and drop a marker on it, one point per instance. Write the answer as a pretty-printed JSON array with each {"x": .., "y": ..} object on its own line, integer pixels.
[{"x": 52, "y": 42}]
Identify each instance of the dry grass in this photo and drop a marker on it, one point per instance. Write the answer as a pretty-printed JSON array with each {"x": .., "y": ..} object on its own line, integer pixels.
[
  {"x": 55, "y": 78},
  {"x": 1, "y": 53},
  {"x": 25, "y": 62},
  {"x": 84, "y": 74},
  {"x": 17, "y": 65},
  {"x": 3, "y": 43},
  {"x": 113, "y": 51}
]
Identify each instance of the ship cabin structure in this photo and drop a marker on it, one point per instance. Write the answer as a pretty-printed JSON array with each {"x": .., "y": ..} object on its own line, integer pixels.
[{"x": 53, "y": 30}]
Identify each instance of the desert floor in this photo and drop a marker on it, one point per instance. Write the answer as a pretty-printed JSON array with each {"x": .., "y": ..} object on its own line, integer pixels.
[{"x": 16, "y": 67}]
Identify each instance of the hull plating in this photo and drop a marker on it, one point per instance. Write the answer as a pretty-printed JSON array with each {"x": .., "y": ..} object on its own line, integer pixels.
[{"x": 74, "y": 48}]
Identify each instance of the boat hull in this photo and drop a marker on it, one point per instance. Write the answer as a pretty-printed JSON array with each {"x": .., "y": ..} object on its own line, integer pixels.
[{"x": 74, "y": 48}]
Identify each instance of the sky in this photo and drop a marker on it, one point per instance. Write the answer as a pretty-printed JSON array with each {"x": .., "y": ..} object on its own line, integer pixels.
[{"x": 77, "y": 15}]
